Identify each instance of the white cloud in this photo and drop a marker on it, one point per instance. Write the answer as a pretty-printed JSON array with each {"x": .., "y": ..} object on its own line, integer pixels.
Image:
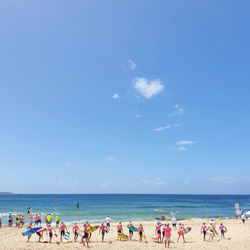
[
  {"x": 116, "y": 96},
  {"x": 111, "y": 158},
  {"x": 181, "y": 149},
  {"x": 229, "y": 179},
  {"x": 106, "y": 184},
  {"x": 147, "y": 88},
  {"x": 156, "y": 182},
  {"x": 167, "y": 126},
  {"x": 186, "y": 142},
  {"x": 162, "y": 128},
  {"x": 178, "y": 110},
  {"x": 132, "y": 64}
]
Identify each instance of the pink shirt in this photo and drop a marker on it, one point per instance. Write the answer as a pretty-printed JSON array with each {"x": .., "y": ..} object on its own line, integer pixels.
[
  {"x": 140, "y": 229},
  {"x": 102, "y": 227},
  {"x": 167, "y": 232},
  {"x": 62, "y": 227},
  {"x": 119, "y": 227}
]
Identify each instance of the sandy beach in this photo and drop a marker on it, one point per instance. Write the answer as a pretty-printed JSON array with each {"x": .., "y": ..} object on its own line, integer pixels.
[{"x": 237, "y": 237}]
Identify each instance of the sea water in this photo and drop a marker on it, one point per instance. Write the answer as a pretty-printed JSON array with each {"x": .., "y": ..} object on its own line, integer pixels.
[{"x": 122, "y": 207}]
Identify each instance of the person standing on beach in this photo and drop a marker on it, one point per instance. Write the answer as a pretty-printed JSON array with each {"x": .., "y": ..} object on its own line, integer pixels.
[
  {"x": 167, "y": 235},
  {"x": 57, "y": 220},
  {"x": 75, "y": 231},
  {"x": 86, "y": 235},
  {"x": 141, "y": 231},
  {"x": 119, "y": 230},
  {"x": 130, "y": 231},
  {"x": 10, "y": 219},
  {"x": 103, "y": 230},
  {"x": 158, "y": 231},
  {"x": 181, "y": 227},
  {"x": 243, "y": 218},
  {"x": 223, "y": 230},
  {"x": 46, "y": 220},
  {"x": 89, "y": 234},
  {"x": 107, "y": 220},
  {"x": 174, "y": 222},
  {"x": 39, "y": 221},
  {"x": 204, "y": 231},
  {"x": 50, "y": 229},
  {"x": 62, "y": 230},
  {"x": 49, "y": 219},
  {"x": 29, "y": 236}
]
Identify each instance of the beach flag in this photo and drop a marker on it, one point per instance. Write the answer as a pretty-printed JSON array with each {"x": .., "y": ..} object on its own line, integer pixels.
[{"x": 78, "y": 205}]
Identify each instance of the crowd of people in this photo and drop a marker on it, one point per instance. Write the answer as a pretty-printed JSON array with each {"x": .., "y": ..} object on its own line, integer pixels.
[{"x": 162, "y": 233}]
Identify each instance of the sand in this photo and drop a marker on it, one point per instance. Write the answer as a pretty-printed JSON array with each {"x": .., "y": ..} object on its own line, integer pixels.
[{"x": 237, "y": 237}]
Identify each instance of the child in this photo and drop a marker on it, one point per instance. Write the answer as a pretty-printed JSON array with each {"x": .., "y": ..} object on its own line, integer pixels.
[
  {"x": 29, "y": 227},
  {"x": 86, "y": 235},
  {"x": 119, "y": 229},
  {"x": 223, "y": 230},
  {"x": 75, "y": 231},
  {"x": 204, "y": 231},
  {"x": 181, "y": 226},
  {"x": 103, "y": 230},
  {"x": 62, "y": 230},
  {"x": 167, "y": 235},
  {"x": 141, "y": 231},
  {"x": 50, "y": 233},
  {"x": 158, "y": 231},
  {"x": 130, "y": 231}
]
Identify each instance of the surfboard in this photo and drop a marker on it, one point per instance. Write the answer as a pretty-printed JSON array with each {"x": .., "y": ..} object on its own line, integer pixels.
[
  {"x": 92, "y": 229},
  {"x": 184, "y": 231},
  {"x": 122, "y": 236},
  {"x": 31, "y": 231},
  {"x": 66, "y": 237},
  {"x": 155, "y": 236},
  {"x": 134, "y": 229}
]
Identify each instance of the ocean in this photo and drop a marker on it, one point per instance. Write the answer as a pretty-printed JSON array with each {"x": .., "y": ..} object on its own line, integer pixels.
[{"x": 122, "y": 207}]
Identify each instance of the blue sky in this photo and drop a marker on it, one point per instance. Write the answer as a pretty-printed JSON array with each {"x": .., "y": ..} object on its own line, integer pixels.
[{"x": 124, "y": 96}]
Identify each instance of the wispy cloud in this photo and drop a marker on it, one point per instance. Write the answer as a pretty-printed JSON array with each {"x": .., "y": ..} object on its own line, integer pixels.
[
  {"x": 138, "y": 116},
  {"x": 132, "y": 64},
  {"x": 178, "y": 110},
  {"x": 106, "y": 184},
  {"x": 185, "y": 142},
  {"x": 116, "y": 96},
  {"x": 181, "y": 149},
  {"x": 111, "y": 158},
  {"x": 229, "y": 179},
  {"x": 167, "y": 126},
  {"x": 156, "y": 182},
  {"x": 147, "y": 88}
]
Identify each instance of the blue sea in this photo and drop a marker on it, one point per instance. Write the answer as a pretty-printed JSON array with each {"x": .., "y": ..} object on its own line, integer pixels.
[{"x": 123, "y": 207}]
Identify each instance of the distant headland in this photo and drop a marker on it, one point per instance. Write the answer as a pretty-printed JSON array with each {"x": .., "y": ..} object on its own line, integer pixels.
[{"x": 2, "y": 193}]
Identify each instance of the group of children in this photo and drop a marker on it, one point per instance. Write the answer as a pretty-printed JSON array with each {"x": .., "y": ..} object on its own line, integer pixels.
[
  {"x": 211, "y": 230},
  {"x": 162, "y": 231}
]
